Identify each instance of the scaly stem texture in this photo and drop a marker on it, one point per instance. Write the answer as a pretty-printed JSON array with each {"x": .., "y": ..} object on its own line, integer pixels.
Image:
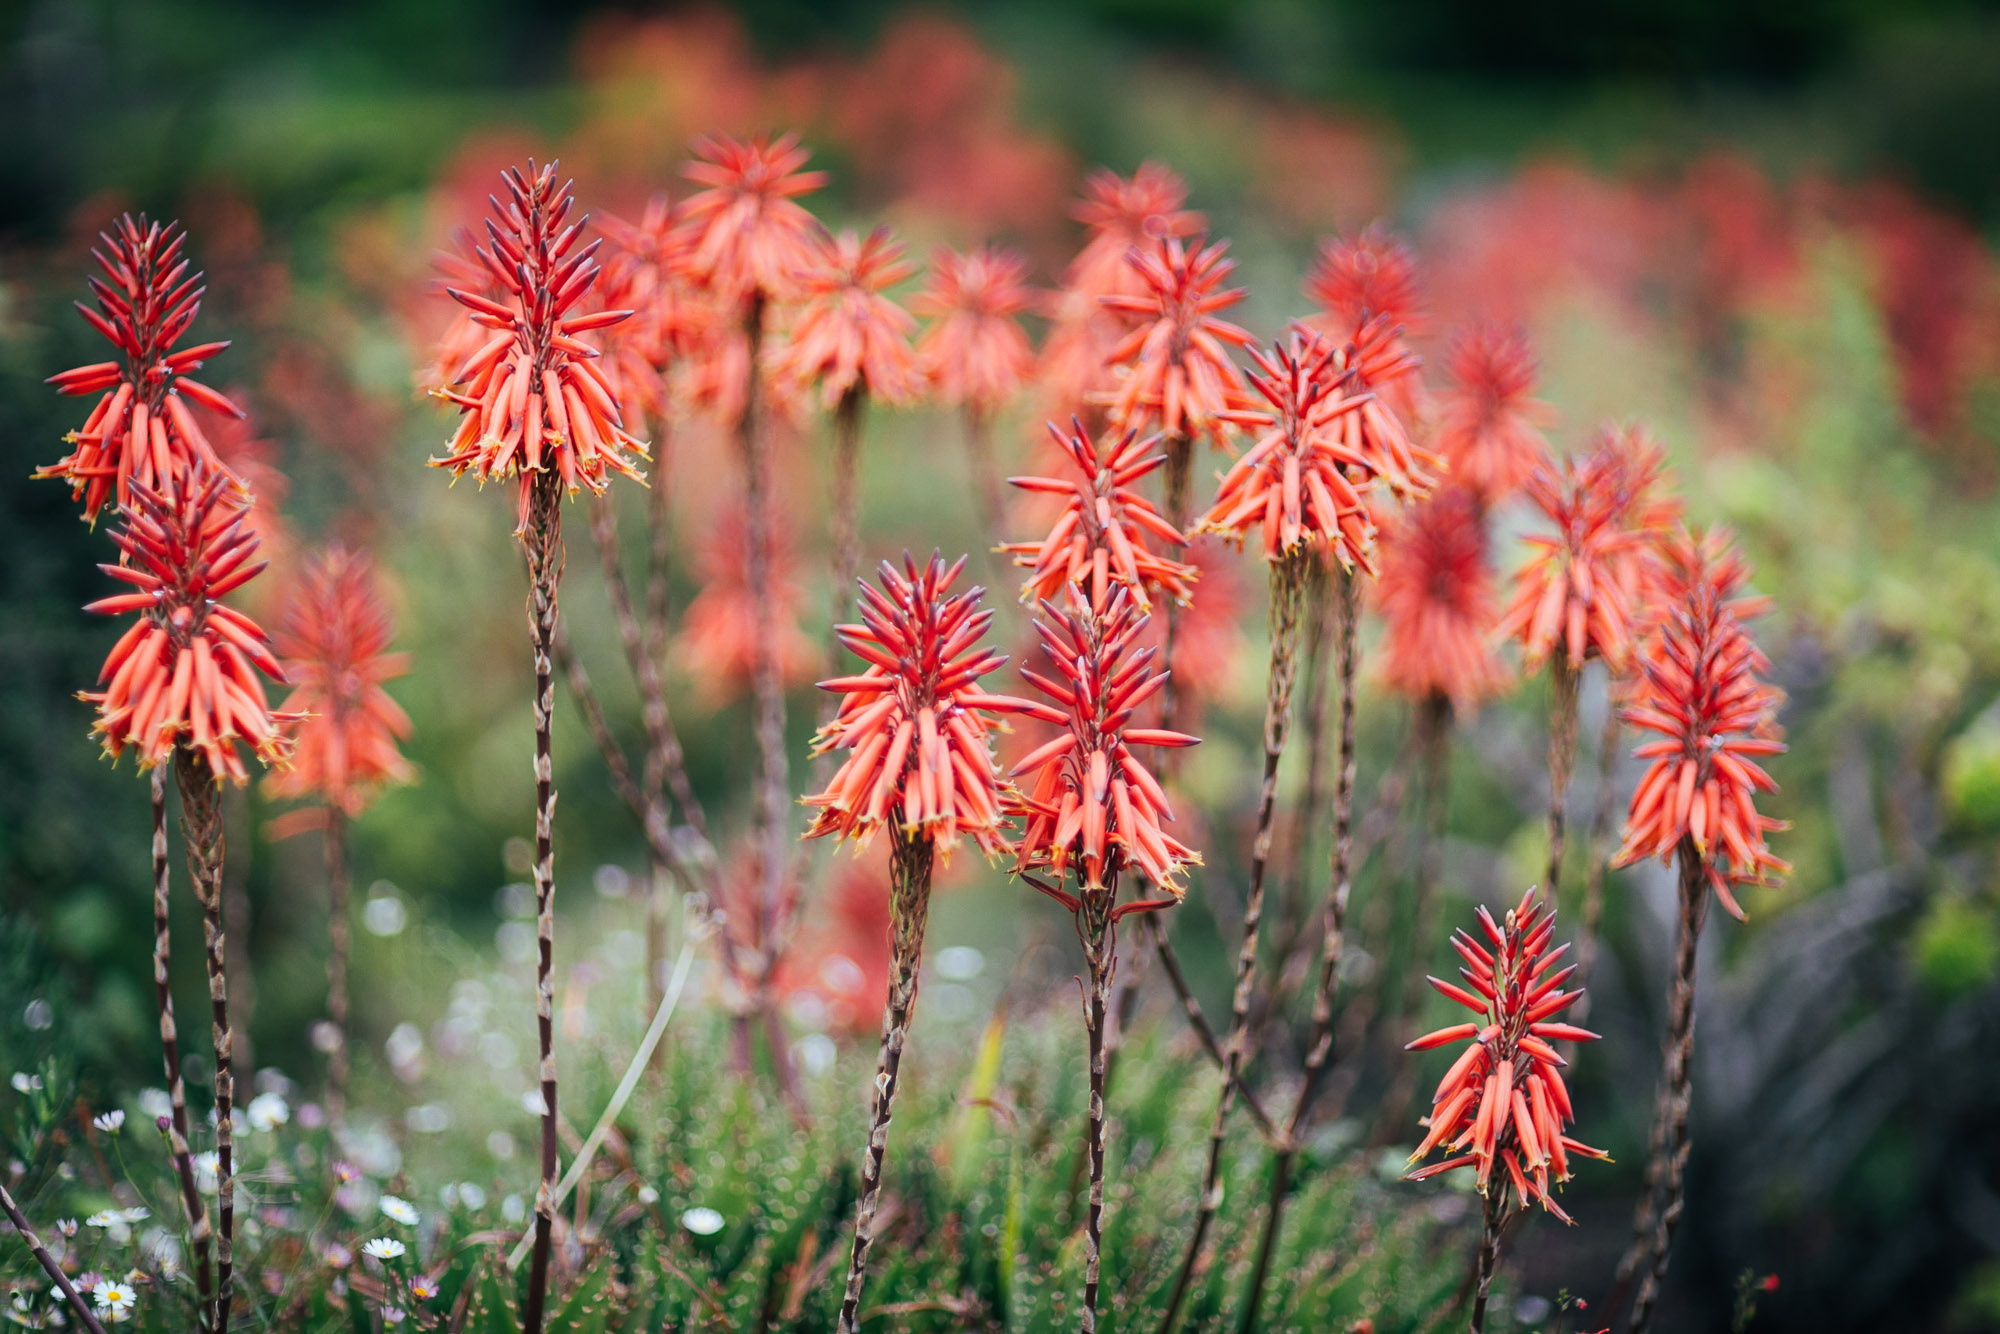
[
  {"x": 1100, "y": 947},
  {"x": 1318, "y": 633},
  {"x": 170, "y": 1050},
  {"x": 1319, "y": 1053},
  {"x": 48, "y": 1263},
  {"x": 1563, "y": 681},
  {"x": 201, "y": 831},
  {"x": 910, "y": 904},
  {"x": 1489, "y": 1253},
  {"x": 543, "y": 538},
  {"x": 1287, "y": 593},
  {"x": 1678, "y": 1076},
  {"x": 336, "y": 963}
]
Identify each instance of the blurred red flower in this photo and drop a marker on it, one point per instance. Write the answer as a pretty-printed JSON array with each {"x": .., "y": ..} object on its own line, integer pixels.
[
  {"x": 974, "y": 351},
  {"x": 1503, "y": 1103},
  {"x": 847, "y": 332},
  {"x": 1488, "y": 424},
  {"x": 1438, "y": 604},
  {"x": 717, "y": 644},
  {"x": 746, "y": 233},
  {"x": 333, "y": 638}
]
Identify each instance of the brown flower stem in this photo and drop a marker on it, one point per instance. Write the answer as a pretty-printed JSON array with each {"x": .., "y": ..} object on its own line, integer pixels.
[
  {"x": 1124, "y": 1002},
  {"x": 985, "y": 476},
  {"x": 170, "y": 1050},
  {"x": 48, "y": 1263},
  {"x": 1433, "y": 739},
  {"x": 1317, "y": 637},
  {"x": 1671, "y": 1147},
  {"x": 1320, "y": 1052},
  {"x": 1494, "y": 1217},
  {"x": 1100, "y": 948},
  {"x": 769, "y": 822},
  {"x": 1563, "y": 681},
  {"x": 335, "y": 838},
  {"x": 910, "y": 901},
  {"x": 543, "y": 538},
  {"x": 1287, "y": 592},
  {"x": 1597, "y": 865},
  {"x": 201, "y": 832}
]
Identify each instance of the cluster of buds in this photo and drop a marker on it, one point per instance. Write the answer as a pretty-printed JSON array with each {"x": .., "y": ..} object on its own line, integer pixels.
[
  {"x": 1100, "y": 538},
  {"x": 188, "y": 670},
  {"x": 1502, "y": 1106},
  {"x": 141, "y": 430},
  {"x": 532, "y": 395},
  {"x": 915, "y": 724},
  {"x": 1091, "y": 806}
]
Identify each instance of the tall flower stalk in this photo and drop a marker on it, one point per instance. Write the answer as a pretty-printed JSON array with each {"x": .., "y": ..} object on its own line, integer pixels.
[
  {"x": 1502, "y": 1108},
  {"x": 333, "y": 638},
  {"x": 537, "y": 410},
  {"x": 183, "y": 684},
  {"x": 915, "y": 728},
  {"x": 747, "y": 239},
  {"x": 1292, "y": 491},
  {"x": 1093, "y": 811},
  {"x": 141, "y": 431},
  {"x": 1702, "y": 696}
]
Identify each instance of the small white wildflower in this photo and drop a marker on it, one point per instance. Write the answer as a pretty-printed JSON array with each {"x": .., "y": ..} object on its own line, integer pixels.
[
  {"x": 66, "y": 1226},
  {"x": 207, "y": 1171},
  {"x": 702, "y": 1221},
  {"x": 24, "y": 1082},
  {"x": 136, "y": 1214},
  {"x": 647, "y": 1195},
  {"x": 109, "y": 1122},
  {"x": 472, "y": 1195},
  {"x": 116, "y": 1298},
  {"x": 383, "y": 1248},
  {"x": 268, "y": 1111},
  {"x": 106, "y": 1218},
  {"x": 392, "y": 1315},
  {"x": 398, "y": 1210},
  {"x": 155, "y": 1103}
]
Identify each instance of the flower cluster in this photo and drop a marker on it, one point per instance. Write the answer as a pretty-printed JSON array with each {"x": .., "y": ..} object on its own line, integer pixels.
[
  {"x": 1503, "y": 1103},
  {"x": 188, "y": 669},
  {"x": 916, "y": 726},
  {"x": 1489, "y": 424},
  {"x": 1090, "y": 805},
  {"x": 141, "y": 430},
  {"x": 974, "y": 352},
  {"x": 333, "y": 638},
  {"x": 532, "y": 395},
  {"x": 1101, "y": 537},
  {"x": 1177, "y": 377},
  {"x": 746, "y": 234},
  {"x": 1297, "y": 484},
  {"x": 848, "y": 334},
  {"x": 1438, "y": 604},
  {"x": 1702, "y": 693}
]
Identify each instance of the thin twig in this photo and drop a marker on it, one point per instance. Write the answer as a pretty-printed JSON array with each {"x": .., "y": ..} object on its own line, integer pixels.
[
  {"x": 170, "y": 1050},
  {"x": 201, "y": 832},
  {"x": 48, "y": 1263}
]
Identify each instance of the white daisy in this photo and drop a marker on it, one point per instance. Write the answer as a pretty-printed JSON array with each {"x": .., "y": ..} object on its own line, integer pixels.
[
  {"x": 115, "y": 1300},
  {"x": 106, "y": 1218},
  {"x": 398, "y": 1210},
  {"x": 109, "y": 1122},
  {"x": 267, "y": 1111},
  {"x": 383, "y": 1248}
]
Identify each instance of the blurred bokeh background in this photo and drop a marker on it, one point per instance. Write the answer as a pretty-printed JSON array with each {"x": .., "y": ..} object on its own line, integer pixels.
[{"x": 1762, "y": 227}]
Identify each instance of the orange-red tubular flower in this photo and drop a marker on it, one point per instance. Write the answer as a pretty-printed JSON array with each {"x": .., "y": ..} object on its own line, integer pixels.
[
  {"x": 721, "y": 629},
  {"x": 1583, "y": 586},
  {"x": 1370, "y": 275},
  {"x": 1103, "y": 536},
  {"x": 1381, "y": 372},
  {"x": 187, "y": 672},
  {"x": 1297, "y": 485},
  {"x": 1503, "y": 1107},
  {"x": 1438, "y": 604},
  {"x": 1176, "y": 375},
  {"x": 1701, "y": 692},
  {"x": 532, "y": 395},
  {"x": 333, "y": 638},
  {"x": 746, "y": 233},
  {"x": 1091, "y": 807},
  {"x": 141, "y": 430},
  {"x": 974, "y": 352},
  {"x": 1488, "y": 422},
  {"x": 848, "y": 334},
  {"x": 915, "y": 724}
]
